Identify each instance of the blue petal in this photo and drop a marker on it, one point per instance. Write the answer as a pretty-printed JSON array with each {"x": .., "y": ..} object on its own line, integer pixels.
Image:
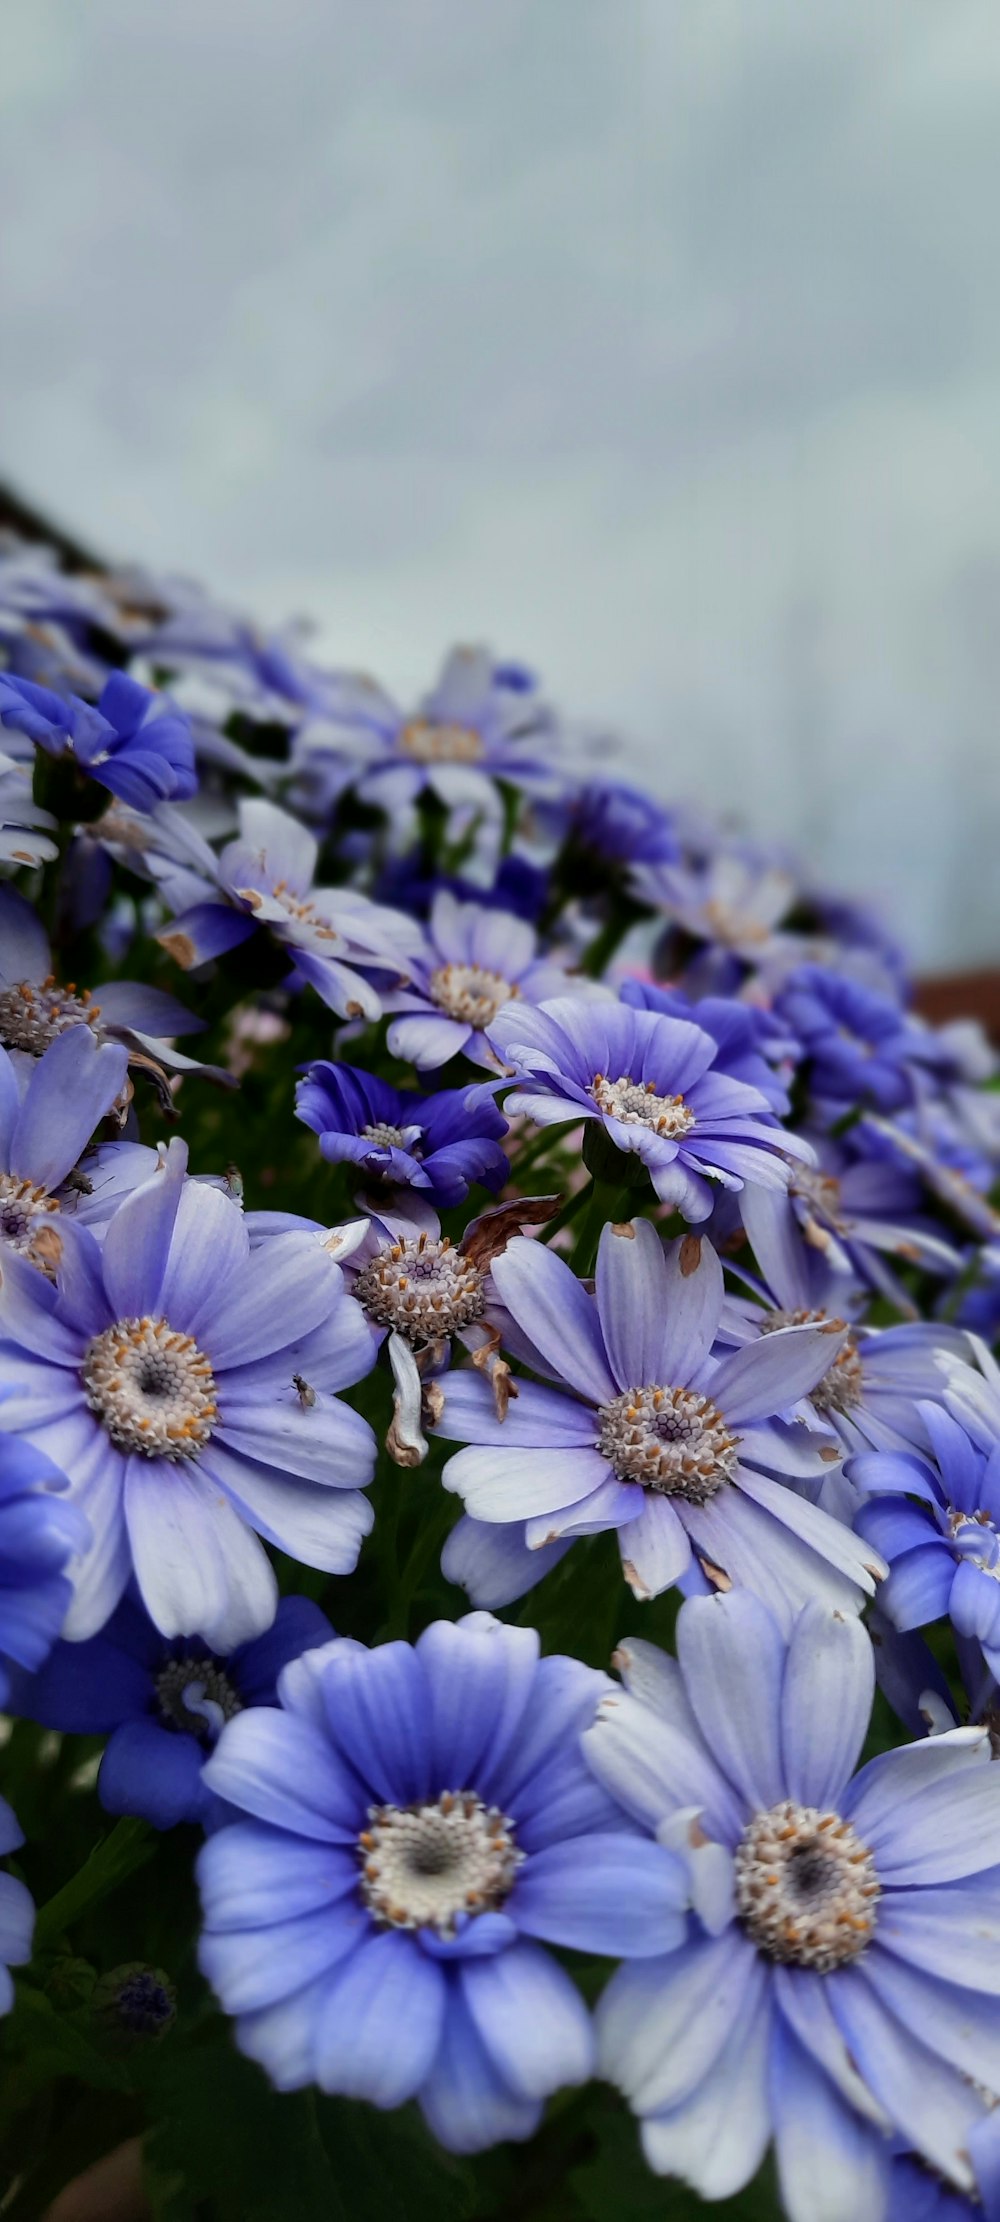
[
  {"x": 531, "y": 2019},
  {"x": 464, "y": 2100},
  {"x": 153, "y": 1772},
  {"x": 381, "y": 2022}
]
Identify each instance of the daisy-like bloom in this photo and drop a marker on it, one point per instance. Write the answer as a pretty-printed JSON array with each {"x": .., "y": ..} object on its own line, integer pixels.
[
  {"x": 264, "y": 880},
  {"x": 618, "y": 825},
  {"x": 35, "y": 1009},
  {"x": 162, "y": 1702},
  {"x": 733, "y": 903},
  {"x": 935, "y": 1515},
  {"x": 40, "y": 1531},
  {"x": 839, "y": 1983},
  {"x": 684, "y": 1452},
  {"x": 661, "y": 1088},
  {"x": 869, "y": 1399},
  {"x": 130, "y": 743},
  {"x": 440, "y": 1144},
  {"x": 483, "y": 721},
  {"x": 859, "y": 1211},
  {"x": 44, "y": 1127},
  {"x": 17, "y": 1911},
  {"x": 420, "y": 1824},
  {"x": 859, "y": 1045},
  {"x": 159, "y": 1372},
  {"x": 475, "y": 961}
]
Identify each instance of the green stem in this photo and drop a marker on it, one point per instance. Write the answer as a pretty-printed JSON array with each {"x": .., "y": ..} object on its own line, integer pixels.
[{"x": 128, "y": 1846}]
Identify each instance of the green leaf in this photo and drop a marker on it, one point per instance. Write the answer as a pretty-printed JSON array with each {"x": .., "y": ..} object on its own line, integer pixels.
[
  {"x": 220, "y": 2135},
  {"x": 54, "y": 2045},
  {"x": 128, "y": 1846}
]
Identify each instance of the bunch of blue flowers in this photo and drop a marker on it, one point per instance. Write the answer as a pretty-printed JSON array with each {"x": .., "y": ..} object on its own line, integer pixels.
[{"x": 499, "y": 1469}]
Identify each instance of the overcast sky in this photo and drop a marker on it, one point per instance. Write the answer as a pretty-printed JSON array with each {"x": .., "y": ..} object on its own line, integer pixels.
[{"x": 655, "y": 341}]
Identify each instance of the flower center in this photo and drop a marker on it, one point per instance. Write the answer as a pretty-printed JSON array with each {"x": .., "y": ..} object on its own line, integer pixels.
[
  {"x": 195, "y": 1696},
  {"x": 470, "y": 993},
  {"x": 425, "y": 1865},
  {"x": 152, "y": 1388},
  {"x": 429, "y": 743},
  {"x": 636, "y": 1103},
  {"x": 670, "y": 1440},
  {"x": 424, "y": 1289},
  {"x": 806, "y": 1886},
  {"x": 387, "y": 1137},
  {"x": 28, "y": 1221},
  {"x": 31, "y": 1015},
  {"x": 842, "y": 1385}
]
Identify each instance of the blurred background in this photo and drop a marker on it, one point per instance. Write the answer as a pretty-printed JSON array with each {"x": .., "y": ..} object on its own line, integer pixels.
[{"x": 656, "y": 343}]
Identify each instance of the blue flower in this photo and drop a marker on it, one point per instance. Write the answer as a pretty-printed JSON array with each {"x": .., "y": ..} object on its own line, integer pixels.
[
  {"x": 839, "y": 1982},
  {"x": 661, "y": 1087},
  {"x": 474, "y": 962},
  {"x": 858, "y": 1211},
  {"x": 483, "y": 721},
  {"x": 17, "y": 1911},
  {"x": 333, "y": 936},
  {"x": 40, "y": 1532},
  {"x": 44, "y": 1128},
  {"x": 420, "y": 1824},
  {"x": 162, "y": 1702},
  {"x": 130, "y": 743},
  {"x": 869, "y": 1399},
  {"x": 160, "y": 1373},
  {"x": 686, "y": 1453},
  {"x": 619, "y": 824},
  {"x": 935, "y": 1515},
  {"x": 859, "y": 1045},
  {"x": 437, "y": 1143},
  {"x": 34, "y": 1009}
]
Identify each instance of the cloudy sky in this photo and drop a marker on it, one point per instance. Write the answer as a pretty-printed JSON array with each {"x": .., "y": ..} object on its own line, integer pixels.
[{"x": 656, "y": 341}]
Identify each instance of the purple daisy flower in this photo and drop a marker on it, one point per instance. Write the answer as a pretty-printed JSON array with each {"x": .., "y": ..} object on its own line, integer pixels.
[
  {"x": 331, "y": 935},
  {"x": 483, "y": 721},
  {"x": 160, "y": 1372},
  {"x": 858, "y": 1211},
  {"x": 934, "y": 1513},
  {"x": 685, "y": 1452},
  {"x": 17, "y": 1911},
  {"x": 440, "y": 1144},
  {"x": 734, "y": 903},
  {"x": 475, "y": 961},
  {"x": 131, "y": 743},
  {"x": 34, "y": 1009},
  {"x": 840, "y": 1979},
  {"x": 40, "y": 1531},
  {"x": 421, "y": 1825},
  {"x": 869, "y": 1399},
  {"x": 162, "y": 1702},
  {"x": 48, "y": 1111},
  {"x": 659, "y": 1085}
]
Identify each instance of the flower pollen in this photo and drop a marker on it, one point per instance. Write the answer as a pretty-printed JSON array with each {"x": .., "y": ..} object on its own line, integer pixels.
[
  {"x": 28, "y": 1221},
  {"x": 636, "y": 1103},
  {"x": 425, "y": 1866},
  {"x": 423, "y": 1288},
  {"x": 470, "y": 993},
  {"x": 672, "y": 1441},
  {"x": 806, "y": 1887},
  {"x": 427, "y": 742},
  {"x": 842, "y": 1385},
  {"x": 151, "y": 1388},
  {"x": 195, "y": 1696},
  {"x": 32, "y": 1015}
]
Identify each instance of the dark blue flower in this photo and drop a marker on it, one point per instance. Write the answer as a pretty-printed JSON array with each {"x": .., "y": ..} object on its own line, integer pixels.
[
  {"x": 620, "y": 824},
  {"x": 860, "y": 1046},
  {"x": 130, "y": 742},
  {"x": 162, "y": 1702},
  {"x": 440, "y": 1143},
  {"x": 419, "y": 1825}
]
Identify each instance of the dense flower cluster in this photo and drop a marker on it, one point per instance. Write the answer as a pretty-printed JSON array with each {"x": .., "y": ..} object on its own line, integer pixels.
[{"x": 582, "y": 1162}]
